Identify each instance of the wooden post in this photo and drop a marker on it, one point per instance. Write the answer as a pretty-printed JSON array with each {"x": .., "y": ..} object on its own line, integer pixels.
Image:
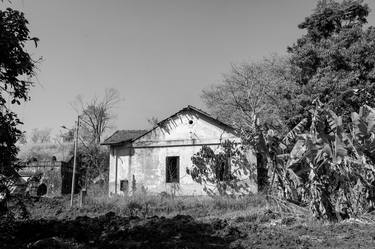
[
  {"x": 116, "y": 168},
  {"x": 74, "y": 164}
]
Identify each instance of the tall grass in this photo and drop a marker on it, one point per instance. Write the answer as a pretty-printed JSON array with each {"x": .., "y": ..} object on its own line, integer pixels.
[
  {"x": 196, "y": 206},
  {"x": 252, "y": 208}
]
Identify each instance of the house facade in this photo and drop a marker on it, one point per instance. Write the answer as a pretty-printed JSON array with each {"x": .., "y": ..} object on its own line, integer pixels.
[{"x": 156, "y": 160}]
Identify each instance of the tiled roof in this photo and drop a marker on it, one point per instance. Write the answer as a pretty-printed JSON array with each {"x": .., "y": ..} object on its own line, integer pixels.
[{"x": 123, "y": 136}]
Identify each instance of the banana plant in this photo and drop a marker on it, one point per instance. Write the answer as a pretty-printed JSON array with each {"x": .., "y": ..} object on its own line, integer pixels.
[
  {"x": 273, "y": 152},
  {"x": 336, "y": 162}
]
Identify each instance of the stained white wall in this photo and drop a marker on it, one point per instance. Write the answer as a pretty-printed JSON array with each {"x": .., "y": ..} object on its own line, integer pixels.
[{"x": 182, "y": 136}]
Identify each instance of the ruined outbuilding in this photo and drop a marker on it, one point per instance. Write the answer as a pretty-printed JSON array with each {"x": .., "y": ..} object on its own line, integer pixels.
[
  {"x": 156, "y": 160},
  {"x": 54, "y": 177}
]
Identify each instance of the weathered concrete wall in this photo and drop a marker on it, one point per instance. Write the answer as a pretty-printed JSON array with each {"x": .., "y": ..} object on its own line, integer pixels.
[
  {"x": 51, "y": 175},
  {"x": 181, "y": 136}
]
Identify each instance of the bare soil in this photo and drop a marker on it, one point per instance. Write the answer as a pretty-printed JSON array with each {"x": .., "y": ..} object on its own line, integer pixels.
[{"x": 182, "y": 231}]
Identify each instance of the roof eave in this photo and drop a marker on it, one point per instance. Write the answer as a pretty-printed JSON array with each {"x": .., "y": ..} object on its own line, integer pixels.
[{"x": 117, "y": 143}]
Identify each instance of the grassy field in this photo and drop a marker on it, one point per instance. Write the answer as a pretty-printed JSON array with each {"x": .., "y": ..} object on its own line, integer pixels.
[{"x": 180, "y": 222}]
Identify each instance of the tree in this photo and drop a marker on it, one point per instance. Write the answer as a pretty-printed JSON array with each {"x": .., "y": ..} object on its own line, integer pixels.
[
  {"x": 328, "y": 165},
  {"x": 96, "y": 115},
  {"x": 255, "y": 97},
  {"x": 96, "y": 118},
  {"x": 41, "y": 135},
  {"x": 252, "y": 91},
  {"x": 221, "y": 172},
  {"x": 16, "y": 69},
  {"x": 22, "y": 139},
  {"x": 335, "y": 60}
]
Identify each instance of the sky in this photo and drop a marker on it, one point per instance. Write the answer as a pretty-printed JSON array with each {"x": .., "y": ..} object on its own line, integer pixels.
[{"x": 159, "y": 54}]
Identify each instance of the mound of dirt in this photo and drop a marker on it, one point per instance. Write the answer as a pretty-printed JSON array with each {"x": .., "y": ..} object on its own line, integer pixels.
[
  {"x": 112, "y": 231},
  {"x": 77, "y": 228}
]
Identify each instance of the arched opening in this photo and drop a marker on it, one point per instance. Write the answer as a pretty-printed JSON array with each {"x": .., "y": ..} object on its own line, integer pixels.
[{"x": 42, "y": 190}]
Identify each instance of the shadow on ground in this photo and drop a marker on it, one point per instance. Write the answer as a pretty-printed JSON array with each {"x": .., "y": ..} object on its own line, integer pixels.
[{"x": 111, "y": 231}]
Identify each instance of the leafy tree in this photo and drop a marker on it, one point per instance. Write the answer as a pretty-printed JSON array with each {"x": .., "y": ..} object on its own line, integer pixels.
[
  {"x": 334, "y": 61},
  {"x": 255, "y": 97},
  {"x": 22, "y": 139},
  {"x": 252, "y": 91},
  {"x": 221, "y": 172},
  {"x": 16, "y": 69},
  {"x": 330, "y": 164},
  {"x": 271, "y": 147}
]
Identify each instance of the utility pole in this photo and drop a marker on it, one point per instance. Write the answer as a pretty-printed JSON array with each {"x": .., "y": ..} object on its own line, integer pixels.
[{"x": 74, "y": 164}]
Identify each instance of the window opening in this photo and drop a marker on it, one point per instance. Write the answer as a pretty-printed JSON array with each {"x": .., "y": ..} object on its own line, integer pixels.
[
  {"x": 124, "y": 185},
  {"x": 172, "y": 169}
]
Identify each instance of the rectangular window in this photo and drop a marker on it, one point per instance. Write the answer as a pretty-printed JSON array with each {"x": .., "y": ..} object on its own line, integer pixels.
[
  {"x": 172, "y": 169},
  {"x": 124, "y": 185}
]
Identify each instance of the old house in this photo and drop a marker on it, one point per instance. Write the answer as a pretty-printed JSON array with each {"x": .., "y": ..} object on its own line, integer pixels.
[{"x": 156, "y": 160}]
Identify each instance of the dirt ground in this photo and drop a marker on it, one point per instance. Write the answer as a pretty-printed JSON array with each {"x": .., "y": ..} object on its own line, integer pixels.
[{"x": 181, "y": 231}]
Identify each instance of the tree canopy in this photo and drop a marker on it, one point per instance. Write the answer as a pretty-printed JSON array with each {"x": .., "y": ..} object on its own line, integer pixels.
[
  {"x": 16, "y": 69},
  {"x": 335, "y": 60},
  {"x": 252, "y": 91}
]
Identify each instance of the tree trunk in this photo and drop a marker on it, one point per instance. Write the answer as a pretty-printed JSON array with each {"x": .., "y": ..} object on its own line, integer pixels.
[{"x": 262, "y": 172}]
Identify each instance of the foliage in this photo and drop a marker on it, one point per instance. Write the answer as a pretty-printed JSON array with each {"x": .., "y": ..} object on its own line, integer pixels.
[
  {"x": 16, "y": 63},
  {"x": 334, "y": 61},
  {"x": 254, "y": 98},
  {"x": 270, "y": 149},
  {"x": 197, "y": 206},
  {"x": 331, "y": 164},
  {"x": 252, "y": 91},
  {"x": 9, "y": 134},
  {"x": 223, "y": 172},
  {"x": 16, "y": 67},
  {"x": 94, "y": 161}
]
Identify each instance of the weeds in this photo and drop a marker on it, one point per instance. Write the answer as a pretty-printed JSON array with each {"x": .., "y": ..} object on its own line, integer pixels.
[{"x": 252, "y": 207}]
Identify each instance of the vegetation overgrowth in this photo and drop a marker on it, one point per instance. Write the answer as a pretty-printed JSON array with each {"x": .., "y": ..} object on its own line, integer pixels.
[
  {"x": 308, "y": 117},
  {"x": 194, "y": 222}
]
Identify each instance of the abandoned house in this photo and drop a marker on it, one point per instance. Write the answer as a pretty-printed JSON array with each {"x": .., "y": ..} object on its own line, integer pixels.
[{"x": 156, "y": 160}]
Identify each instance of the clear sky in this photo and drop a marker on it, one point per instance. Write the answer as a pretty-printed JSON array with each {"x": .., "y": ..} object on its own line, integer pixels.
[{"x": 159, "y": 54}]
